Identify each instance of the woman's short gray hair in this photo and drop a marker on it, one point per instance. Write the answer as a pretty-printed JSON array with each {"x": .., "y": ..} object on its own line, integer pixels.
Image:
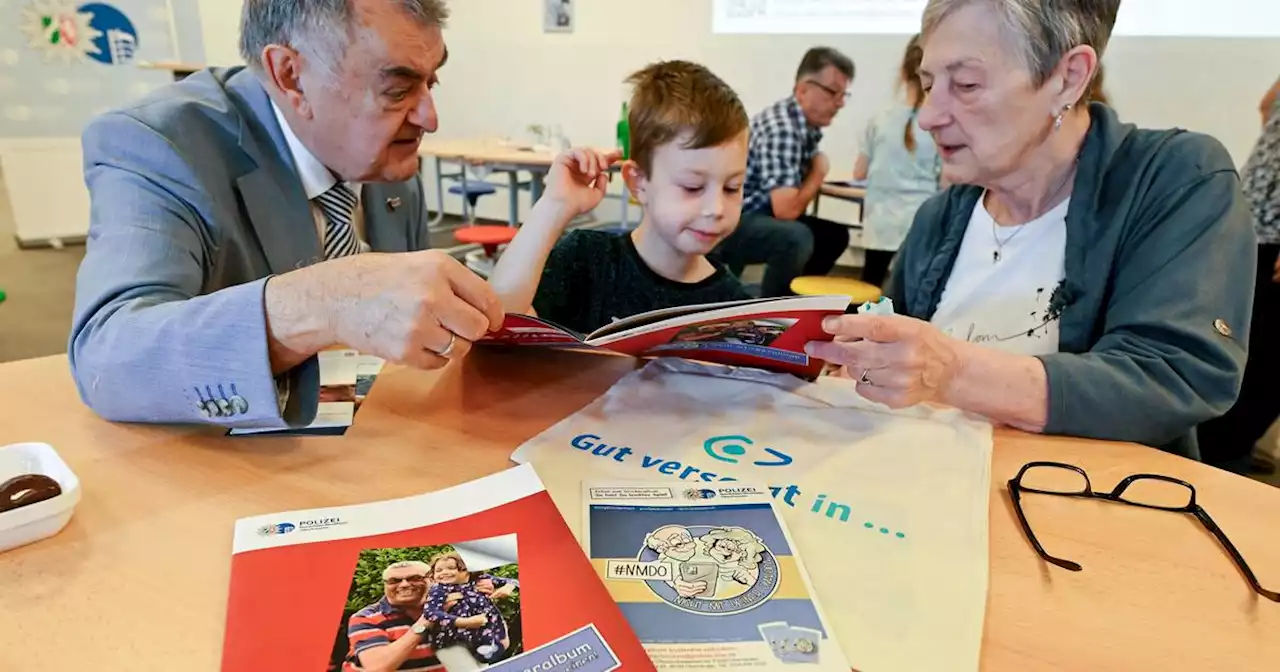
[
  {"x": 1043, "y": 30},
  {"x": 321, "y": 28}
]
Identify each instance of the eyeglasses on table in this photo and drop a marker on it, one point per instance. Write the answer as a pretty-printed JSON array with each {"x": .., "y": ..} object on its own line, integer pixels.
[{"x": 1149, "y": 491}]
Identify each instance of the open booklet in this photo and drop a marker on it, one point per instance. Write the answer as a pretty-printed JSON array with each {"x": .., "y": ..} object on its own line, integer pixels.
[
  {"x": 484, "y": 575},
  {"x": 760, "y": 333},
  {"x": 707, "y": 575}
]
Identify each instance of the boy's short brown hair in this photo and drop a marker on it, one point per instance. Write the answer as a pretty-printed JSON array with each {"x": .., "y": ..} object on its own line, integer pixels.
[{"x": 672, "y": 98}]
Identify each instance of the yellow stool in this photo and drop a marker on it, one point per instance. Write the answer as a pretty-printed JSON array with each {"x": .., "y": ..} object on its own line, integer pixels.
[{"x": 811, "y": 285}]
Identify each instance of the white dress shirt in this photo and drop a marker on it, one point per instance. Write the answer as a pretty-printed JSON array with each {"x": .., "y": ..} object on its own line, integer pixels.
[{"x": 317, "y": 179}]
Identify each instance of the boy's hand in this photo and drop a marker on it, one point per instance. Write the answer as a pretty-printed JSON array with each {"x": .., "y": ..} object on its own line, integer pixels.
[{"x": 578, "y": 179}]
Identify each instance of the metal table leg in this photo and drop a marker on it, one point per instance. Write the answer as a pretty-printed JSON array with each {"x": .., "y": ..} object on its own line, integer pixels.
[
  {"x": 439, "y": 196},
  {"x": 535, "y": 186},
  {"x": 513, "y": 196}
]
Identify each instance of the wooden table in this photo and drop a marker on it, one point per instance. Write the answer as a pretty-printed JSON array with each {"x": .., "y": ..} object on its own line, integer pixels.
[
  {"x": 138, "y": 580},
  {"x": 501, "y": 156},
  {"x": 845, "y": 193}
]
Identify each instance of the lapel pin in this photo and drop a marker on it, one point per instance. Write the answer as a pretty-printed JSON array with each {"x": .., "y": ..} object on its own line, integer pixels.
[{"x": 393, "y": 203}]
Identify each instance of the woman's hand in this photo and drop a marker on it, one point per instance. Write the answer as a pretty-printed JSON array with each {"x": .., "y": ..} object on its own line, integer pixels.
[
  {"x": 1276, "y": 276},
  {"x": 578, "y": 178},
  {"x": 898, "y": 361},
  {"x": 503, "y": 592}
]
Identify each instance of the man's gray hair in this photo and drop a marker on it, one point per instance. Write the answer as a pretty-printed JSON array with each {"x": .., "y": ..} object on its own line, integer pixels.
[
  {"x": 416, "y": 564},
  {"x": 1042, "y": 30},
  {"x": 319, "y": 28}
]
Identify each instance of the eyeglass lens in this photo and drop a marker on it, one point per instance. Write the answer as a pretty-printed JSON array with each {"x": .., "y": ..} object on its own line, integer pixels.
[
  {"x": 1053, "y": 479},
  {"x": 415, "y": 578},
  {"x": 1157, "y": 493}
]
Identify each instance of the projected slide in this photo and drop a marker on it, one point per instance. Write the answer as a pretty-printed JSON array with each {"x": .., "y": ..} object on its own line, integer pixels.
[{"x": 1163, "y": 18}]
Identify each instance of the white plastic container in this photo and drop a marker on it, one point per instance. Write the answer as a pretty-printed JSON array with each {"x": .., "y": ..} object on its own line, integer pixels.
[{"x": 34, "y": 522}]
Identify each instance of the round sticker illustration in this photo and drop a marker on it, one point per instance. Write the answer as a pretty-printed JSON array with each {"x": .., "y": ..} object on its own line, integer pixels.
[{"x": 717, "y": 570}]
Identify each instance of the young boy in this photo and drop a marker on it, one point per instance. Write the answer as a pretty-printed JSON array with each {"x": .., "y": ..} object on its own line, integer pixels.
[{"x": 689, "y": 160}]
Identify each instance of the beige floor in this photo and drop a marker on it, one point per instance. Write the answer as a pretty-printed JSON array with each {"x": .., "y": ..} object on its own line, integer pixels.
[{"x": 40, "y": 284}]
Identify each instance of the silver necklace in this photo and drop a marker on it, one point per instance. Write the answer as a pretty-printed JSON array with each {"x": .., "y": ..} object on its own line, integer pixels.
[{"x": 998, "y": 254}]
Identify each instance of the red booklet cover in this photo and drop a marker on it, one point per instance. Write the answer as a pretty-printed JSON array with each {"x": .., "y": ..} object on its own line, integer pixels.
[
  {"x": 484, "y": 575},
  {"x": 762, "y": 333}
]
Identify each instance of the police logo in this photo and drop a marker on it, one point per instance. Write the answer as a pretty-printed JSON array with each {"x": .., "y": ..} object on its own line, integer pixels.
[
  {"x": 272, "y": 530},
  {"x": 719, "y": 570},
  {"x": 66, "y": 32}
]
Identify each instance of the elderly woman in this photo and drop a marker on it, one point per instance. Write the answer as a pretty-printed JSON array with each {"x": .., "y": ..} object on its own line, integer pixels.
[{"x": 1084, "y": 277}]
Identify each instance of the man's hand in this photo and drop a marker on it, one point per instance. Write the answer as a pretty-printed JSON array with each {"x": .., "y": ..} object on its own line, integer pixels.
[
  {"x": 408, "y": 308},
  {"x": 425, "y": 622},
  {"x": 578, "y": 179},
  {"x": 504, "y": 592},
  {"x": 898, "y": 361},
  {"x": 1276, "y": 276}
]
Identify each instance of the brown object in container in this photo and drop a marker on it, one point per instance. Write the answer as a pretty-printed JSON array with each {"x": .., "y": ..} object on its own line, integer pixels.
[{"x": 27, "y": 489}]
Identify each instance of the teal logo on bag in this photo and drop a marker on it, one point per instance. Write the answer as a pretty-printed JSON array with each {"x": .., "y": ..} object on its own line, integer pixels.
[{"x": 734, "y": 447}]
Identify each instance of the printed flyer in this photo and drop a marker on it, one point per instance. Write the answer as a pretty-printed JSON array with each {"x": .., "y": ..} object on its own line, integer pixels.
[
  {"x": 483, "y": 575},
  {"x": 707, "y": 576}
]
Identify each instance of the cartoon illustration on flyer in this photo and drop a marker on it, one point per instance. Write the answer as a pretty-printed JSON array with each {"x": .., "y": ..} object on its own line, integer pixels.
[
  {"x": 717, "y": 570},
  {"x": 707, "y": 575}
]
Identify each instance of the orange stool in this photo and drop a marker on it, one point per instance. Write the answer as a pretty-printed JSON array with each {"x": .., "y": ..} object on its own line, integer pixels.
[{"x": 487, "y": 236}]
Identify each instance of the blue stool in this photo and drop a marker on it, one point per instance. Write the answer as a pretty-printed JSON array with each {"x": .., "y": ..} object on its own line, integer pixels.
[{"x": 472, "y": 191}]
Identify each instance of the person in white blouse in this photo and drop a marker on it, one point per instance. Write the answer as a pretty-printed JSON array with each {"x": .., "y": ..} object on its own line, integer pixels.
[
  {"x": 1081, "y": 276},
  {"x": 901, "y": 167}
]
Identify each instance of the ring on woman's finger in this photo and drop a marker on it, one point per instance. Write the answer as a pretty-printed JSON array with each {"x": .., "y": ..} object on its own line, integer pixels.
[
  {"x": 448, "y": 349},
  {"x": 864, "y": 379}
]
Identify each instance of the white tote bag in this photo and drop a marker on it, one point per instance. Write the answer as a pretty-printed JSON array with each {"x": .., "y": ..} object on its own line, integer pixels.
[{"x": 888, "y": 508}]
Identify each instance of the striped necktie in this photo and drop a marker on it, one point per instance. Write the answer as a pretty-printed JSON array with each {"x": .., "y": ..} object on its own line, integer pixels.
[{"x": 339, "y": 206}]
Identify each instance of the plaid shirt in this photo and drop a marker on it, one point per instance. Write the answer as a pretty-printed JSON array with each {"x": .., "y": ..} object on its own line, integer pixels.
[{"x": 783, "y": 144}]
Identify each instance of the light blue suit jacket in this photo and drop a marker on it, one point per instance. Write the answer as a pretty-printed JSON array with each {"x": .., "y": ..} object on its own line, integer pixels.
[{"x": 195, "y": 203}]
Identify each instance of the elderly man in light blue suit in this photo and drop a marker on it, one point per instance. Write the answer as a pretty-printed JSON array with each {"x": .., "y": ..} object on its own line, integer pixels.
[{"x": 245, "y": 219}]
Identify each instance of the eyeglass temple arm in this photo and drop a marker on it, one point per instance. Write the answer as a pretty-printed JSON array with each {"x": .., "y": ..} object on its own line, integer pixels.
[
  {"x": 1016, "y": 496},
  {"x": 1203, "y": 517}
]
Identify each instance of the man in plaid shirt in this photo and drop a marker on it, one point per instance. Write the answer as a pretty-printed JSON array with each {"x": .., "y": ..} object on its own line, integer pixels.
[{"x": 785, "y": 170}]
